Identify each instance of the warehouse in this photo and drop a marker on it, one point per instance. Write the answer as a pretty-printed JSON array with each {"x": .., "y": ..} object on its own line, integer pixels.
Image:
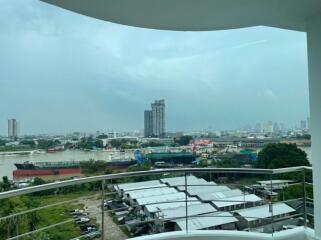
[
  {"x": 132, "y": 195},
  {"x": 151, "y": 209},
  {"x": 261, "y": 215},
  {"x": 210, "y": 221},
  {"x": 237, "y": 202},
  {"x": 180, "y": 181},
  {"x": 121, "y": 188}
]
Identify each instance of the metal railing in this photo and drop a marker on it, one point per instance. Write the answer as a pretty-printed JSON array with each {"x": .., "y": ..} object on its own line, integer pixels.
[{"x": 107, "y": 181}]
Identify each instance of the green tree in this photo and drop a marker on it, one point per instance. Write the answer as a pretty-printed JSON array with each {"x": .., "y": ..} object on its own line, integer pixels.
[
  {"x": 152, "y": 144},
  {"x": 2, "y": 142},
  {"x": 5, "y": 184},
  {"x": 183, "y": 140},
  {"x": 99, "y": 143},
  {"x": 115, "y": 143},
  {"x": 38, "y": 181},
  {"x": 102, "y": 136},
  {"x": 31, "y": 143},
  {"x": 45, "y": 144},
  {"x": 281, "y": 155},
  {"x": 92, "y": 166}
]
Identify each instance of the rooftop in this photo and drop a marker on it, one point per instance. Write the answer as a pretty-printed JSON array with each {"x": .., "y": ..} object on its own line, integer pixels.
[
  {"x": 251, "y": 214},
  {"x": 154, "y": 191},
  {"x": 195, "y": 209},
  {"x": 138, "y": 185},
  {"x": 236, "y": 200},
  {"x": 161, "y": 206},
  {"x": 220, "y": 193},
  {"x": 206, "y": 221}
]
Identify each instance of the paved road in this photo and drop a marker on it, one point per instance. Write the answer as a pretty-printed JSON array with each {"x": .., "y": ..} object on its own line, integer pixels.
[{"x": 112, "y": 231}]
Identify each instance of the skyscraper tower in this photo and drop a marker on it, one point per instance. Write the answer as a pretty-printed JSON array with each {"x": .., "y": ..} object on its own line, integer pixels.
[
  {"x": 158, "y": 111},
  {"x": 12, "y": 128},
  {"x": 154, "y": 120},
  {"x": 148, "y": 123}
]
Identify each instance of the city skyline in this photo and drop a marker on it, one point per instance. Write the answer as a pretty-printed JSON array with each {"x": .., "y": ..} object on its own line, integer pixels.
[
  {"x": 80, "y": 79},
  {"x": 259, "y": 127}
]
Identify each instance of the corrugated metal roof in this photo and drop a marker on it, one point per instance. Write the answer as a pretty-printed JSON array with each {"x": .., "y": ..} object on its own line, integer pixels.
[
  {"x": 268, "y": 182},
  {"x": 219, "y": 192},
  {"x": 254, "y": 213},
  {"x": 161, "y": 198},
  {"x": 231, "y": 201},
  {"x": 181, "y": 180},
  {"x": 192, "y": 210},
  {"x": 161, "y": 206},
  {"x": 142, "y": 193},
  {"x": 138, "y": 185},
  {"x": 206, "y": 191},
  {"x": 199, "y": 184},
  {"x": 206, "y": 221}
]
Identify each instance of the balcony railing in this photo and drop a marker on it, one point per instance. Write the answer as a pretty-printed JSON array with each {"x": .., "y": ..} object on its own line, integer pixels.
[{"x": 193, "y": 205}]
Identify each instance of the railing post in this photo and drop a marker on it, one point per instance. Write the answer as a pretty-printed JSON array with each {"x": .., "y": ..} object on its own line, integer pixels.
[
  {"x": 304, "y": 198},
  {"x": 271, "y": 202},
  {"x": 17, "y": 227},
  {"x": 244, "y": 204},
  {"x": 186, "y": 205},
  {"x": 102, "y": 209}
]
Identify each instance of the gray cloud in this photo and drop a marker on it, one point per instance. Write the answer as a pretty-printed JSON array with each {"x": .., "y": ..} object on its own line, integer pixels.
[{"x": 61, "y": 72}]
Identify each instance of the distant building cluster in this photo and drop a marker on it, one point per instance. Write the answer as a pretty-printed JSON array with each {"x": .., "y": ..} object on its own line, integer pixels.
[
  {"x": 274, "y": 127},
  {"x": 12, "y": 128},
  {"x": 154, "y": 120}
]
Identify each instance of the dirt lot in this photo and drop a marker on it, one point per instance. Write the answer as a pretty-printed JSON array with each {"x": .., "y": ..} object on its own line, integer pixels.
[{"x": 112, "y": 231}]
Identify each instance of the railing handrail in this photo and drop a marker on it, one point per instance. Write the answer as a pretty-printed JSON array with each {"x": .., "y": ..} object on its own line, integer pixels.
[{"x": 39, "y": 188}]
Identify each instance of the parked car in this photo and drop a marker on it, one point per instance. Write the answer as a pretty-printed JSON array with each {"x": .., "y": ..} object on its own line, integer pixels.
[
  {"x": 88, "y": 228},
  {"x": 93, "y": 235},
  {"x": 82, "y": 220}
]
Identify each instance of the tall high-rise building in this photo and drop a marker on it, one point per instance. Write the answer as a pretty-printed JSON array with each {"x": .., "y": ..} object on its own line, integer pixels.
[
  {"x": 276, "y": 127},
  {"x": 258, "y": 128},
  {"x": 148, "y": 123},
  {"x": 303, "y": 124},
  {"x": 12, "y": 128},
  {"x": 158, "y": 111},
  {"x": 154, "y": 120}
]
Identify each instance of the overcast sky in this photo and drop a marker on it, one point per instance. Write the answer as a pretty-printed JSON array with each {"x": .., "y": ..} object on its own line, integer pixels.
[{"x": 62, "y": 72}]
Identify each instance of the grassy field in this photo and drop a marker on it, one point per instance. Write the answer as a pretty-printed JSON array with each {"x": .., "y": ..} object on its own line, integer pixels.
[{"x": 42, "y": 218}]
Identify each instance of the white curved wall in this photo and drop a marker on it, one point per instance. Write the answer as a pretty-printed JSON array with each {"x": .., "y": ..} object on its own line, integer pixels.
[{"x": 294, "y": 234}]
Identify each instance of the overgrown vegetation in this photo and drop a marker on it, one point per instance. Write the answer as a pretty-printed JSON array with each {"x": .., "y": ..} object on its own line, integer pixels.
[
  {"x": 281, "y": 155},
  {"x": 94, "y": 167},
  {"x": 41, "y": 218}
]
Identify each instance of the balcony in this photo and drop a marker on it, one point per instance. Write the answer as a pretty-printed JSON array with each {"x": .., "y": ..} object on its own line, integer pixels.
[{"x": 187, "y": 203}]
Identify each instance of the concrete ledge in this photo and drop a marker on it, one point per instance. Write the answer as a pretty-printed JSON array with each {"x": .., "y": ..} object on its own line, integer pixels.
[{"x": 299, "y": 233}]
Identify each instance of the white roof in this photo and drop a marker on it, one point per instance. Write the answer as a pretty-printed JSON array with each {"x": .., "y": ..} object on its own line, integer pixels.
[
  {"x": 251, "y": 214},
  {"x": 139, "y": 185},
  {"x": 142, "y": 193},
  {"x": 174, "y": 181},
  {"x": 206, "y": 221},
  {"x": 220, "y": 193},
  {"x": 192, "y": 210},
  {"x": 161, "y": 206},
  {"x": 162, "y": 198},
  {"x": 274, "y": 182},
  {"x": 197, "y": 184},
  {"x": 236, "y": 200}
]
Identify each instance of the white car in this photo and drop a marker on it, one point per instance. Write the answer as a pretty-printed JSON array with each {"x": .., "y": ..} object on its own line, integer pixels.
[{"x": 82, "y": 220}]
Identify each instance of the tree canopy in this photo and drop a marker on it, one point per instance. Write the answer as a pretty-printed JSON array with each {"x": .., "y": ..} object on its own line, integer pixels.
[
  {"x": 183, "y": 140},
  {"x": 281, "y": 155}
]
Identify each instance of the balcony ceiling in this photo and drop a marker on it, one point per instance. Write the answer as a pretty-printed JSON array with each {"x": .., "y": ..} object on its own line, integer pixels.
[{"x": 197, "y": 15}]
